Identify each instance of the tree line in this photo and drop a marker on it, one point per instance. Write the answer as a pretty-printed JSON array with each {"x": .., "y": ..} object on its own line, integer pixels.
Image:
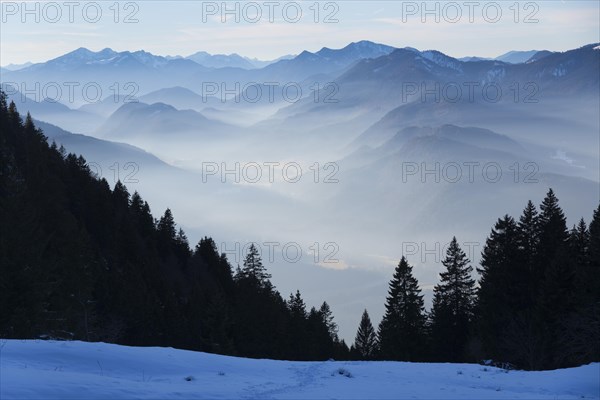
[
  {"x": 536, "y": 304},
  {"x": 81, "y": 261}
]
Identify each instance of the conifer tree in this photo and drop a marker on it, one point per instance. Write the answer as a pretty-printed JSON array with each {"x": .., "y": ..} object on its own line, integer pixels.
[
  {"x": 121, "y": 195},
  {"x": 453, "y": 306},
  {"x": 253, "y": 269},
  {"x": 207, "y": 251},
  {"x": 500, "y": 288},
  {"x": 528, "y": 236},
  {"x": 593, "y": 263},
  {"x": 557, "y": 276},
  {"x": 579, "y": 238},
  {"x": 182, "y": 239},
  {"x": 327, "y": 316},
  {"x": 402, "y": 330},
  {"x": 578, "y": 329},
  {"x": 319, "y": 345},
  {"x": 522, "y": 333},
  {"x": 365, "y": 342},
  {"x": 297, "y": 306},
  {"x": 166, "y": 226},
  {"x": 553, "y": 233},
  {"x": 579, "y": 244},
  {"x": 141, "y": 211}
]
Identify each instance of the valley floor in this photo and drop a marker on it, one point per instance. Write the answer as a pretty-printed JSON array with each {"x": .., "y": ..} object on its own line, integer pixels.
[{"x": 69, "y": 370}]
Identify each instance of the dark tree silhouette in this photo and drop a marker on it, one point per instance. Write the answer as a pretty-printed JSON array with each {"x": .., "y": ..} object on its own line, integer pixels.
[
  {"x": 365, "y": 343},
  {"x": 402, "y": 330}
]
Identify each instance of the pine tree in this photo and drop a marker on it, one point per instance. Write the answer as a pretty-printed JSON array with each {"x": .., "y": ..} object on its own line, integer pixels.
[
  {"x": 341, "y": 350},
  {"x": 182, "y": 239},
  {"x": 219, "y": 267},
  {"x": 500, "y": 289},
  {"x": 14, "y": 118},
  {"x": 579, "y": 243},
  {"x": 327, "y": 316},
  {"x": 528, "y": 237},
  {"x": 402, "y": 330},
  {"x": 578, "y": 331},
  {"x": 166, "y": 226},
  {"x": 579, "y": 238},
  {"x": 298, "y": 332},
  {"x": 254, "y": 271},
  {"x": 319, "y": 343},
  {"x": 557, "y": 275},
  {"x": 593, "y": 263},
  {"x": 121, "y": 195},
  {"x": 365, "y": 343},
  {"x": 182, "y": 247},
  {"x": 553, "y": 233},
  {"x": 453, "y": 306},
  {"x": 30, "y": 127},
  {"x": 297, "y": 306},
  {"x": 522, "y": 335},
  {"x": 141, "y": 212}
]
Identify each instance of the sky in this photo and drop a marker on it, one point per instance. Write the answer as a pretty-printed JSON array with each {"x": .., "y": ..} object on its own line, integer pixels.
[{"x": 37, "y": 31}]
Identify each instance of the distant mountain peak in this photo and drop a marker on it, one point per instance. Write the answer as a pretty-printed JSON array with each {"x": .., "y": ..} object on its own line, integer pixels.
[
  {"x": 362, "y": 45},
  {"x": 232, "y": 60},
  {"x": 517, "y": 57},
  {"x": 351, "y": 52},
  {"x": 16, "y": 67},
  {"x": 159, "y": 106},
  {"x": 411, "y": 49},
  {"x": 83, "y": 51},
  {"x": 307, "y": 54},
  {"x": 366, "y": 43},
  {"x": 538, "y": 56}
]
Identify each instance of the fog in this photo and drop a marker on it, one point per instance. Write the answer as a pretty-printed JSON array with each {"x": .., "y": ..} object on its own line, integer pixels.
[{"x": 335, "y": 192}]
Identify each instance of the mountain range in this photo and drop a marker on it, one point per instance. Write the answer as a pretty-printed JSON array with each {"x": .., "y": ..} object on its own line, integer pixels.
[
  {"x": 364, "y": 112},
  {"x": 236, "y": 61},
  {"x": 139, "y": 73},
  {"x": 362, "y": 94},
  {"x": 513, "y": 57}
]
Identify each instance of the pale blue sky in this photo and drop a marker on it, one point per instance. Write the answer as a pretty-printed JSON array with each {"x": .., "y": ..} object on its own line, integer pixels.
[{"x": 177, "y": 27}]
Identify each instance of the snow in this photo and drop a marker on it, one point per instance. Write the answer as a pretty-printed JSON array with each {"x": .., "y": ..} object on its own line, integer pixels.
[
  {"x": 498, "y": 72},
  {"x": 441, "y": 60},
  {"x": 560, "y": 71},
  {"x": 68, "y": 370}
]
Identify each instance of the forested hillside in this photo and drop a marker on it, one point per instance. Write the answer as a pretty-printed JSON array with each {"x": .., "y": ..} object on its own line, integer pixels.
[
  {"x": 81, "y": 261},
  {"x": 535, "y": 306}
]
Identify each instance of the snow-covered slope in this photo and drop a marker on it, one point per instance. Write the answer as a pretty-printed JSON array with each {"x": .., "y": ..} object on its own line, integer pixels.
[{"x": 68, "y": 370}]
